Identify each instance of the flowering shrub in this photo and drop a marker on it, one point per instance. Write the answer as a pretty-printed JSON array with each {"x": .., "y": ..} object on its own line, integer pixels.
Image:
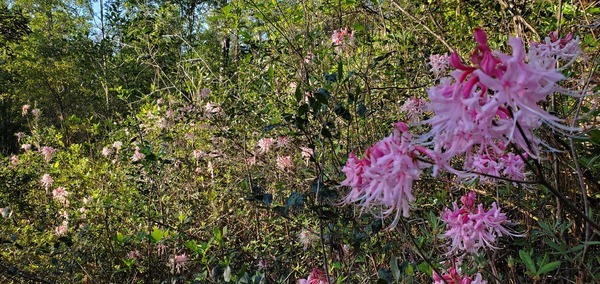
[{"x": 476, "y": 113}]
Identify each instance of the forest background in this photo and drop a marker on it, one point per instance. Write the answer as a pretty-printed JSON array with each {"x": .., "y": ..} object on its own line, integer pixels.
[{"x": 204, "y": 141}]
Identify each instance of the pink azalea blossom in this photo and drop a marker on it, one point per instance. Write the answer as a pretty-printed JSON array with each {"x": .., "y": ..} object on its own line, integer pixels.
[
  {"x": 282, "y": 142},
  {"x": 306, "y": 152},
  {"x": 14, "y": 160},
  {"x": 341, "y": 39},
  {"x": 477, "y": 109},
  {"x": 472, "y": 227},
  {"x": 452, "y": 276},
  {"x": 212, "y": 108},
  {"x": 47, "y": 152},
  {"x": 137, "y": 155},
  {"x": 134, "y": 254},
  {"x": 307, "y": 238},
  {"x": 117, "y": 145},
  {"x": 384, "y": 177},
  {"x": 106, "y": 151},
  {"x": 513, "y": 166},
  {"x": 317, "y": 276},
  {"x": 265, "y": 144},
  {"x": 284, "y": 162},
  {"x": 178, "y": 262},
  {"x": 20, "y": 135},
  {"x": 24, "y": 110},
  {"x": 47, "y": 181},
  {"x": 60, "y": 194},
  {"x": 439, "y": 63},
  {"x": 61, "y": 230},
  {"x": 251, "y": 160},
  {"x": 553, "y": 48},
  {"x": 35, "y": 112},
  {"x": 413, "y": 107},
  {"x": 26, "y": 147}
]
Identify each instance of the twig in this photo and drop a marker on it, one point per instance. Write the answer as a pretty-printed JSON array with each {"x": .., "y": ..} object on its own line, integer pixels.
[{"x": 438, "y": 37}]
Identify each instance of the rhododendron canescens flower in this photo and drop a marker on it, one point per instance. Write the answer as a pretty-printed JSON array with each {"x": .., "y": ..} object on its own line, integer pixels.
[
  {"x": 317, "y": 276},
  {"x": 473, "y": 227},
  {"x": 265, "y": 144},
  {"x": 453, "y": 277},
  {"x": 384, "y": 177},
  {"x": 47, "y": 181},
  {"x": 47, "y": 152}
]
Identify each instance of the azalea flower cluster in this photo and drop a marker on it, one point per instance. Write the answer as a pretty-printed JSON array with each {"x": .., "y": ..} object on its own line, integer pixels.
[
  {"x": 473, "y": 227},
  {"x": 384, "y": 177},
  {"x": 453, "y": 276},
  {"x": 478, "y": 111},
  {"x": 317, "y": 276},
  {"x": 482, "y": 107},
  {"x": 341, "y": 39}
]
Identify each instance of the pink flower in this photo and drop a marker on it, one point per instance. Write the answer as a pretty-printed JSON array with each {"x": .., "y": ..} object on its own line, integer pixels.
[
  {"x": 263, "y": 264},
  {"x": 251, "y": 160},
  {"x": 283, "y": 142},
  {"x": 453, "y": 277},
  {"x": 341, "y": 39},
  {"x": 47, "y": 181},
  {"x": 36, "y": 112},
  {"x": 439, "y": 63},
  {"x": 513, "y": 166},
  {"x": 14, "y": 160},
  {"x": 546, "y": 53},
  {"x": 26, "y": 147},
  {"x": 306, "y": 152},
  {"x": 486, "y": 165},
  {"x": 178, "y": 262},
  {"x": 478, "y": 108},
  {"x": 317, "y": 276},
  {"x": 24, "y": 110},
  {"x": 137, "y": 155},
  {"x": 60, "y": 194},
  {"x": 47, "y": 152},
  {"x": 265, "y": 144},
  {"x": 134, "y": 254},
  {"x": 117, "y": 145},
  {"x": 106, "y": 151},
  {"x": 61, "y": 230},
  {"x": 413, "y": 107},
  {"x": 383, "y": 178},
  {"x": 471, "y": 228},
  {"x": 20, "y": 135},
  {"x": 307, "y": 238},
  {"x": 284, "y": 162}
]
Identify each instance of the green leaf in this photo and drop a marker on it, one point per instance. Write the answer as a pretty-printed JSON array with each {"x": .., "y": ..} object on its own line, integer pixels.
[
  {"x": 394, "y": 268},
  {"x": 425, "y": 268},
  {"x": 120, "y": 238},
  {"x": 548, "y": 267},
  {"x": 526, "y": 258},
  {"x": 594, "y": 136},
  {"x": 156, "y": 235}
]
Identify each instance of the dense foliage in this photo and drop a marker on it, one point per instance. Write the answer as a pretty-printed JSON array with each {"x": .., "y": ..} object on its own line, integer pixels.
[{"x": 299, "y": 141}]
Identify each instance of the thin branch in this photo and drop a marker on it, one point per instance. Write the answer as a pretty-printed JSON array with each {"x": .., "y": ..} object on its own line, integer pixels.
[{"x": 438, "y": 37}]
